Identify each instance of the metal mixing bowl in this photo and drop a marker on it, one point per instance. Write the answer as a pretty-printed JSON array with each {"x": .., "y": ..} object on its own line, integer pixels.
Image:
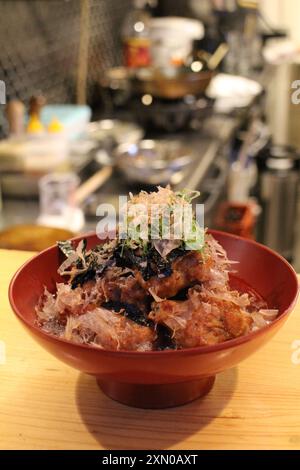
[{"x": 152, "y": 161}]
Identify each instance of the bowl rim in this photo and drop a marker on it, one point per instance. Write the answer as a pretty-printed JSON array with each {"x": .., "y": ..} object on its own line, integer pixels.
[{"x": 232, "y": 343}]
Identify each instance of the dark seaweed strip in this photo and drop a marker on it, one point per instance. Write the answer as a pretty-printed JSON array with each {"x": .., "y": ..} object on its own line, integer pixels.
[
  {"x": 164, "y": 339},
  {"x": 66, "y": 248},
  {"x": 80, "y": 279},
  {"x": 130, "y": 311},
  {"x": 149, "y": 264},
  {"x": 126, "y": 258},
  {"x": 182, "y": 294}
]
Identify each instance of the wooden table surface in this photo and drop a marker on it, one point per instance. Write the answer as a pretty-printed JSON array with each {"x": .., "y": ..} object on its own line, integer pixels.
[{"x": 45, "y": 404}]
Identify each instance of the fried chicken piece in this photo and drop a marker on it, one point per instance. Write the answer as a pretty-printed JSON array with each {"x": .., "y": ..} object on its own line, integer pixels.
[
  {"x": 202, "y": 319},
  {"x": 125, "y": 290},
  {"x": 68, "y": 301},
  {"x": 109, "y": 330},
  {"x": 186, "y": 270},
  {"x": 110, "y": 287}
]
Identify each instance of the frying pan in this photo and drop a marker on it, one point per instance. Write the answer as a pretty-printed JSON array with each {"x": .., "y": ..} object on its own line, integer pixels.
[{"x": 185, "y": 83}]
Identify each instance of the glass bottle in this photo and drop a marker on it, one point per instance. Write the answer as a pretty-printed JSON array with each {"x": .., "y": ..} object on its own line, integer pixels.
[{"x": 136, "y": 37}]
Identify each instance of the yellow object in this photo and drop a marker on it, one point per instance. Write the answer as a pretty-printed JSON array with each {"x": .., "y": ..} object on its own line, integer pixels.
[
  {"x": 55, "y": 126},
  {"x": 34, "y": 125},
  {"x": 248, "y": 4}
]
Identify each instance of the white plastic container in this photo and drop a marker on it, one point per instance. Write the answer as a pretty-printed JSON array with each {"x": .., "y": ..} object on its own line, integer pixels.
[{"x": 172, "y": 38}]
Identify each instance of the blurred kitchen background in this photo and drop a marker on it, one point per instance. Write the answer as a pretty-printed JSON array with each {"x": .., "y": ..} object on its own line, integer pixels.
[{"x": 104, "y": 97}]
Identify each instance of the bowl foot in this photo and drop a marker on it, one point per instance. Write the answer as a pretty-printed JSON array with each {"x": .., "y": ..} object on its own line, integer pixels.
[{"x": 157, "y": 395}]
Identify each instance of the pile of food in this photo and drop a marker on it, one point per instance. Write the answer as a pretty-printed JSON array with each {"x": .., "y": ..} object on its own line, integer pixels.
[{"x": 143, "y": 294}]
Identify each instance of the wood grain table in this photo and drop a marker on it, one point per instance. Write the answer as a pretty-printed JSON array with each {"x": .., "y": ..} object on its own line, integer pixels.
[{"x": 45, "y": 404}]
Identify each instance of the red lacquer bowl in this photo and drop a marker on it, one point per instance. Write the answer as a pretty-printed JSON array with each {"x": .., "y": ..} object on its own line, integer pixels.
[{"x": 161, "y": 379}]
